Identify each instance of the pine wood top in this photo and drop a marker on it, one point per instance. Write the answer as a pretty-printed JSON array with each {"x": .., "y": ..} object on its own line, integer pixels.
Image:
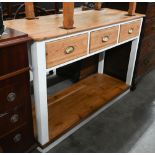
[{"x": 46, "y": 27}]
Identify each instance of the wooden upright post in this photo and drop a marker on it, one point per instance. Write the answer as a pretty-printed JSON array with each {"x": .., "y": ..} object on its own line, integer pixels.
[
  {"x": 29, "y": 10},
  {"x": 68, "y": 15},
  {"x": 132, "y": 8},
  {"x": 98, "y": 6}
]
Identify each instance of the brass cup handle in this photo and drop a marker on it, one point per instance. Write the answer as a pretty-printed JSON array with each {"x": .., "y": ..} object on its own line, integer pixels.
[
  {"x": 105, "y": 39},
  {"x": 69, "y": 49},
  {"x": 11, "y": 97},
  {"x": 130, "y": 31}
]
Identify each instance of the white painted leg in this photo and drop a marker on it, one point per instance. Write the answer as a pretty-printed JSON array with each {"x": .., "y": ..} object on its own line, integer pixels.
[
  {"x": 132, "y": 61},
  {"x": 40, "y": 90},
  {"x": 101, "y": 63}
]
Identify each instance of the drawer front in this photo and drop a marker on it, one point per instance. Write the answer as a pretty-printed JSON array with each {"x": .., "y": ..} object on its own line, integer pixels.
[
  {"x": 103, "y": 38},
  {"x": 129, "y": 30},
  {"x": 15, "y": 91},
  {"x": 19, "y": 141},
  {"x": 63, "y": 50},
  {"x": 13, "y": 58},
  {"x": 12, "y": 119}
]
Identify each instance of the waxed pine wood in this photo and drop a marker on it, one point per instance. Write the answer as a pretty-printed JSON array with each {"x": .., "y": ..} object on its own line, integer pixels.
[
  {"x": 55, "y": 51},
  {"x": 68, "y": 15},
  {"x": 132, "y": 8},
  {"x": 29, "y": 10},
  {"x": 47, "y": 27},
  {"x": 125, "y": 28},
  {"x": 98, "y": 5},
  {"x": 70, "y": 106},
  {"x": 97, "y": 38}
]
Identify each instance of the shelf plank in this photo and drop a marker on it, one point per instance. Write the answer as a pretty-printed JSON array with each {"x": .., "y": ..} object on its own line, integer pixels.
[{"x": 70, "y": 106}]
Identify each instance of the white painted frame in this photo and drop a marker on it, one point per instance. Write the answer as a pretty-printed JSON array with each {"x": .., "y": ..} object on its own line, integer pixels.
[{"x": 38, "y": 54}]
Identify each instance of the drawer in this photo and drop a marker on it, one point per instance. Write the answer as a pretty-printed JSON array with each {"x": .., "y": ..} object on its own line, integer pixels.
[
  {"x": 103, "y": 38},
  {"x": 13, "y": 58},
  {"x": 63, "y": 50},
  {"x": 14, "y": 91},
  {"x": 12, "y": 119},
  {"x": 129, "y": 30},
  {"x": 19, "y": 141}
]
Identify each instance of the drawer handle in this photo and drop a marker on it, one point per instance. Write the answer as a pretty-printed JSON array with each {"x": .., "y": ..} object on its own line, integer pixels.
[
  {"x": 130, "y": 31},
  {"x": 105, "y": 38},
  {"x": 69, "y": 50},
  {"x": 11, "y": 97},
  {"x": 17, "y": 138},
  {"x": 14, "y": 118}
]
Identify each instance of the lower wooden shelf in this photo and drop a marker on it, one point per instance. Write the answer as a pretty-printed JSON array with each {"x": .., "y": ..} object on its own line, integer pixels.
[{"x": 72, "y": 105}]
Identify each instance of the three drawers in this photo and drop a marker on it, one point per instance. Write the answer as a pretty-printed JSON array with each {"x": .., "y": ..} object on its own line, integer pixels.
[
  {"x": 63, "y": 50},
  {"x": 129, "y": 30},
  {"x": 103, "y": 38}
]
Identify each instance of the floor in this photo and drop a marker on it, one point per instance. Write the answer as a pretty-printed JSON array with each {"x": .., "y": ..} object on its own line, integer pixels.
[{"x": 127, "y": 126}]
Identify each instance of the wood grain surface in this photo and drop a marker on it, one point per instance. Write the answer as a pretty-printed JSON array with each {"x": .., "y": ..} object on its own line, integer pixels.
[
  {"x": 47, "y": 27},
  {"x": 125, "y": 28},
  {"x": 29, "y": 10},
  {"x": 96, "y": 38},
  {"x": 72, "y": 105},
  {"x": 132, "y": 8},
  {"x": 68, "y": 15},
  {"x": 55, "y": 51}
]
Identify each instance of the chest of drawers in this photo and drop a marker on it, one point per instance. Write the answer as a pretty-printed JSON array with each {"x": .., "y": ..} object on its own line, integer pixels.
[{"x": 16, "y": 130}]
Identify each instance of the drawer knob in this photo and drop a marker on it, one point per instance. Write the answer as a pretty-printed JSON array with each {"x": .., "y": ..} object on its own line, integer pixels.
[
  {"x": 11, "y": 97},
  {"x": 130, "y": 31},
  {"x": 17, "y": 138},
  {"x": 14, "y": 118},
  {"x": 105, "y": 38},
  {"x": 69, "y": 49}
]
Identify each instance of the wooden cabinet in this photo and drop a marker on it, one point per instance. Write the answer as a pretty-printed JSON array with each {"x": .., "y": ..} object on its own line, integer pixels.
[{"x": 16, "y": 131}]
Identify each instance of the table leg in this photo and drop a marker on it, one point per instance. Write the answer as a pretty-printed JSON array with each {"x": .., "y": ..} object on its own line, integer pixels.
[
  {"x": 101, "y": 63},
  {"x": 132, "y": 60},
  {"x": 40, "y": 90}
]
